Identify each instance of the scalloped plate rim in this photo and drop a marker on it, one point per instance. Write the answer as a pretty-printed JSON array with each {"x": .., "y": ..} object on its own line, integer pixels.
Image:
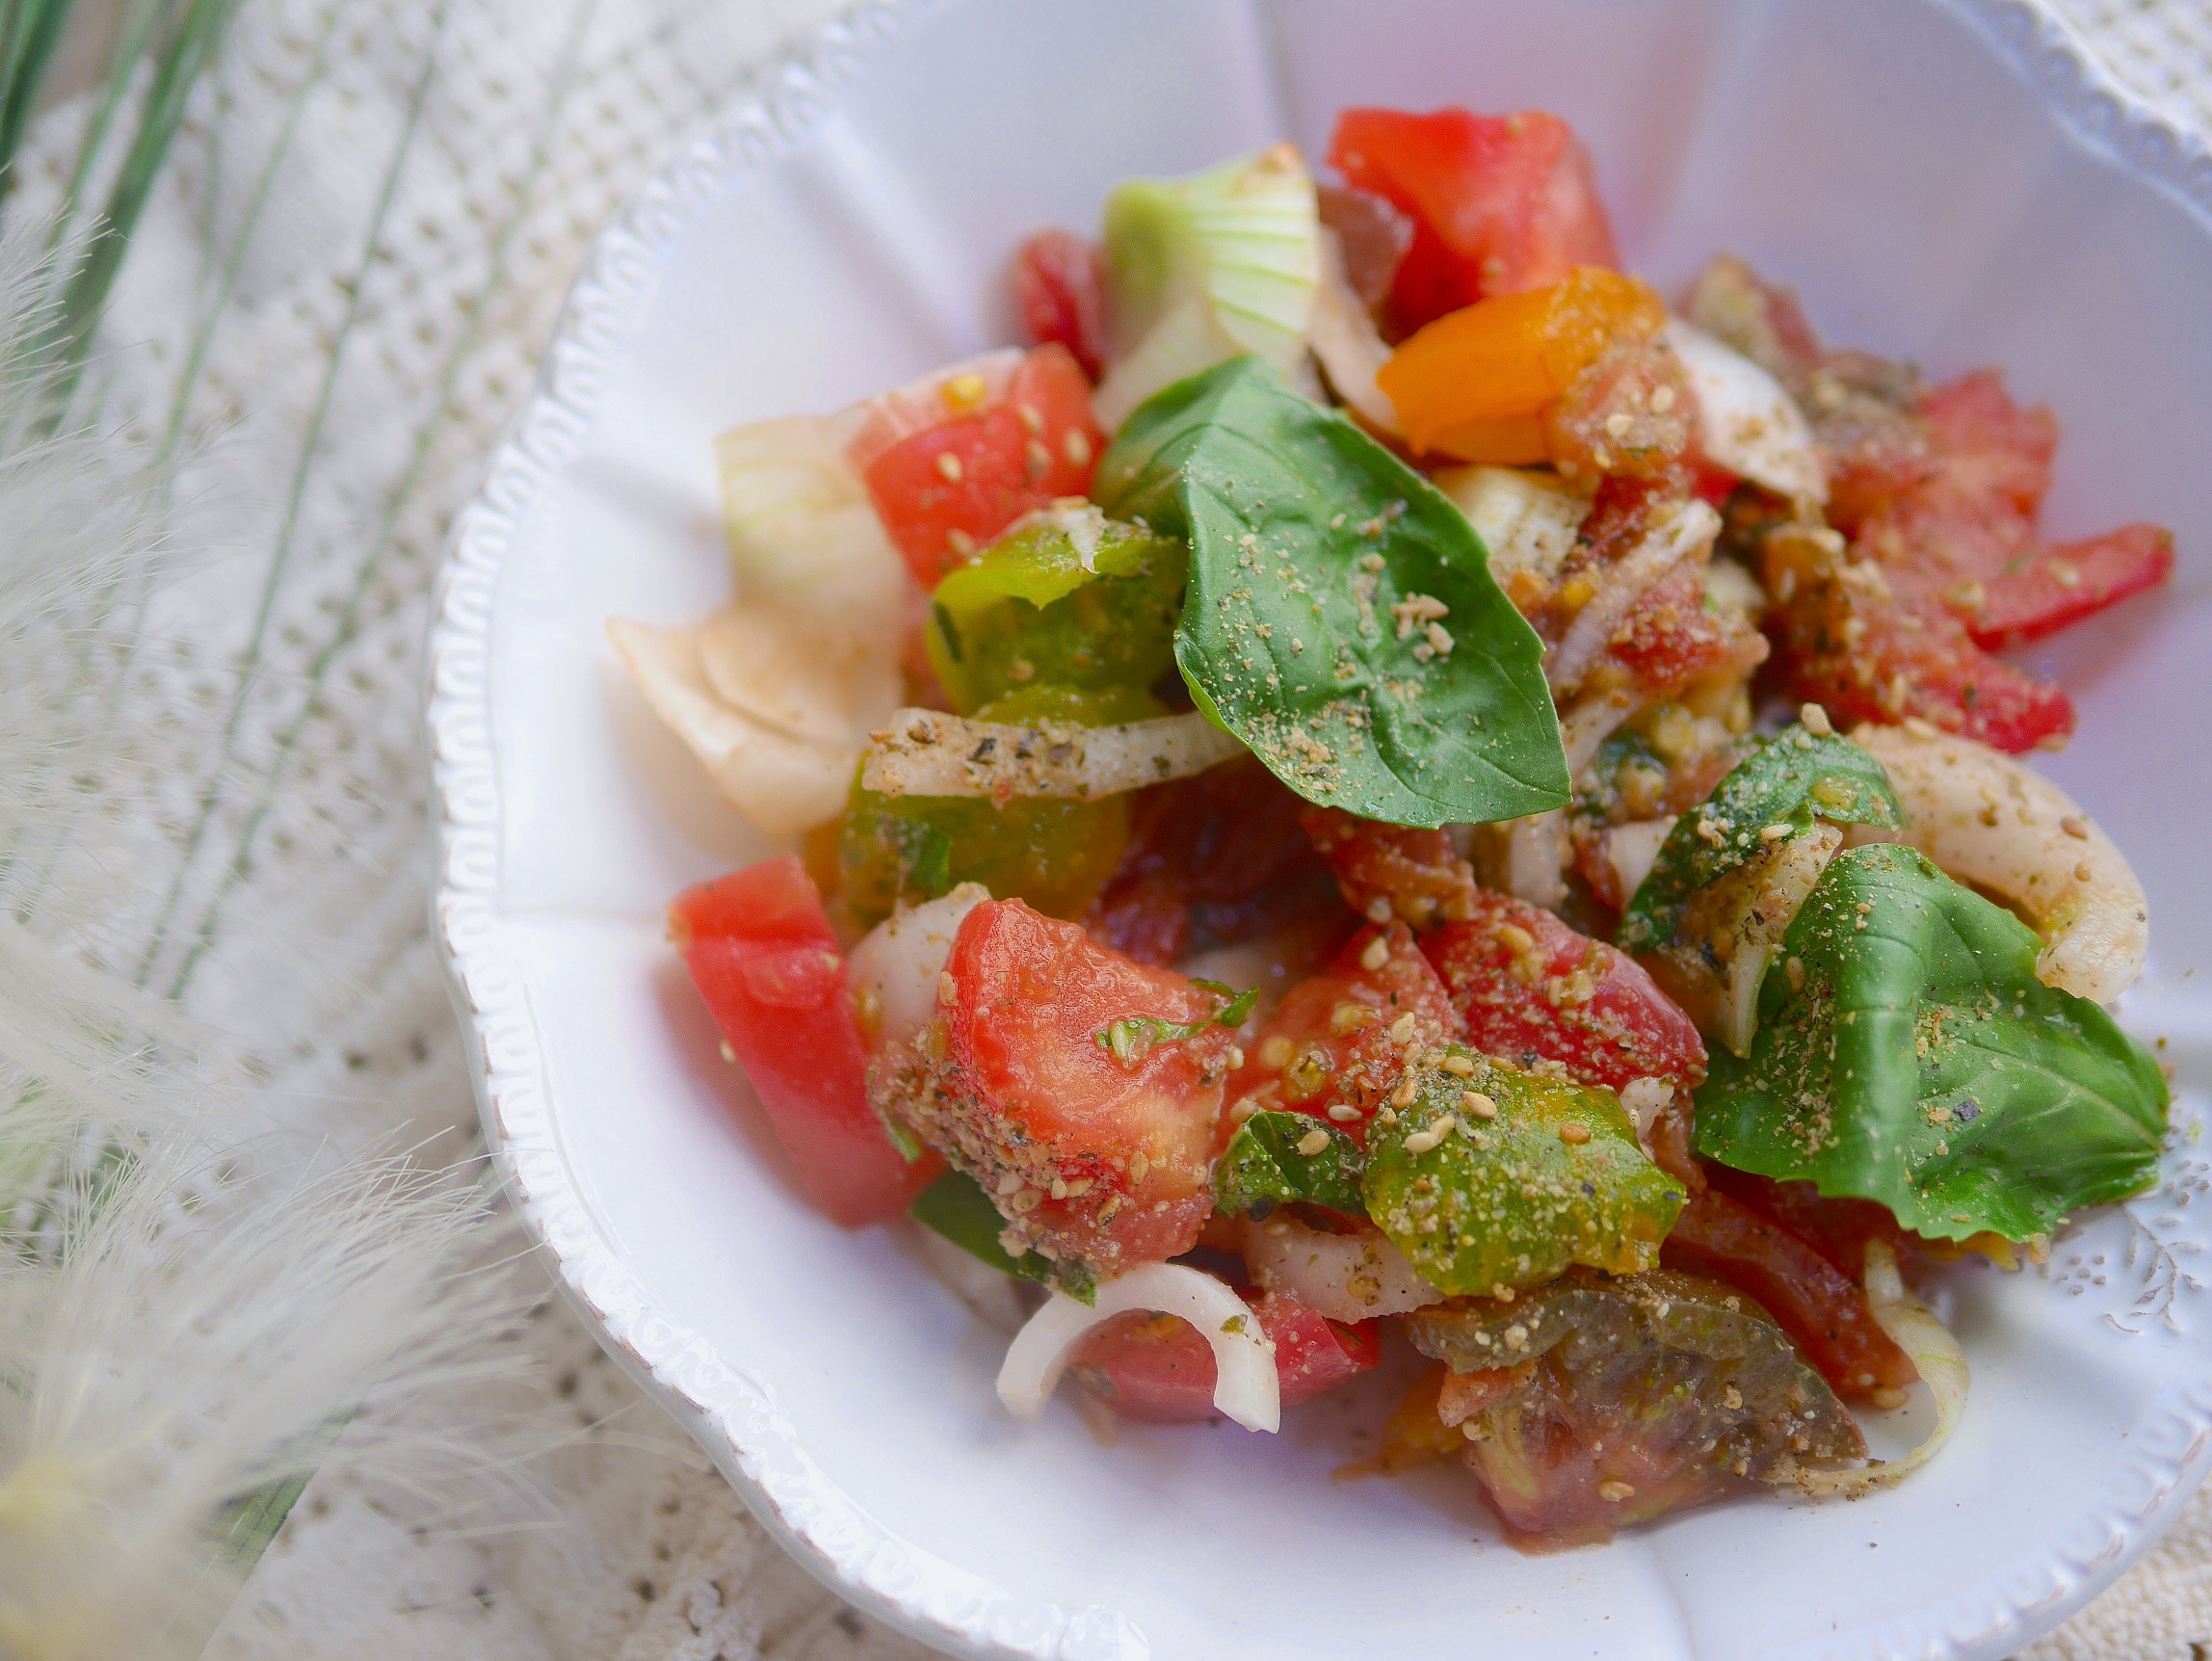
[{"x": 731, "y": 1415}]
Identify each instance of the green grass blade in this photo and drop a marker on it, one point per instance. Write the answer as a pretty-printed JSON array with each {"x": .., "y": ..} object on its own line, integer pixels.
[
  {"x": 177, "y": 68},
  {"x": 32, "y": 29}
]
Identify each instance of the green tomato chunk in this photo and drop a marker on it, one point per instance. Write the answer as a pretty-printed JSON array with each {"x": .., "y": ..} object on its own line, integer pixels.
[
  {"x": 1551, "y": 1176},
  {"x": 1066, "y": 599},
  {"x": 1055, "y": 854}
]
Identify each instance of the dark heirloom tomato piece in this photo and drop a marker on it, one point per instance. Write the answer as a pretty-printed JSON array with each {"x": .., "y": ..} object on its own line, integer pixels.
[
  {"x": 762, "y": 955},
  {"x": 1500, "y": 203},
  {"x": 1837, "y": 1229},
  {"x": 1392, "y": 870},
  {"x": 1532, "y": 990},
  {"x": 1079, "y": 1087},
  {"x": 945, "y": 492},
  {"x": 1158, "y": 1370},
  {"x": 1215, "y": 860},
  {"x": 1813, "y": 1301},
  {"x": 1335, "y": 1046},
  {"x": 1591, "y": 1404},
  {"x": 1059, "y": 286}
]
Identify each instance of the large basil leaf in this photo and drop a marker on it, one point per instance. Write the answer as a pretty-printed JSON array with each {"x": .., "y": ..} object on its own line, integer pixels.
[
  {"x": 1792, "y": 780},
  {"x": 1906, "y": 1053},
  {"x": 1340, "y": 616},
  {"x": 1265, "y": 1162},
  {"x": 956, "y": 1206},
  {"x": 1551, "y": 1176}
]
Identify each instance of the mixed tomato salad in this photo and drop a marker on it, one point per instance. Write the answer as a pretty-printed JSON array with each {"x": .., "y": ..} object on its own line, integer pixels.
[{"x": 1380, "y": 771}]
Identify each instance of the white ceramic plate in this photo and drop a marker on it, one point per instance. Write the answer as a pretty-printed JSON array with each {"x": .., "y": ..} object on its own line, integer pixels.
[{"x": 1944, "y": 178}]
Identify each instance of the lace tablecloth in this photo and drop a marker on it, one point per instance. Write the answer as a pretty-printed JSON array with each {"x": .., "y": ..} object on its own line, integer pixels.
[{"x": 363, "y": 238}]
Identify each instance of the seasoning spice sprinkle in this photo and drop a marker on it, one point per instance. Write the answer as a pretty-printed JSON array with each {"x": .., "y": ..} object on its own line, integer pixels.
[{"x": 1573, "y": 1133}]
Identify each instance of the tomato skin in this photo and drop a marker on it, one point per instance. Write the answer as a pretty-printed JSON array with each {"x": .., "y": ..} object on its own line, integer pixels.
[
  {"x": 763, "y": 957},
  {"x": 1383, "y": 870},
  {"x": 1156, "y": 1370},
  {"x": 1529, "y": 988},
  {"x": 1668, "y": 639},
  {"x": 2063, "y": 584},
  {"x": 1820, "y": 1307},
  {"x": 950, "y": 488},
  {"x": 1500, "y": 203},
  {"x": 1128, "y": 1145},
  {"x": 1057, "y": 283},
  {"x": 1329, "y": 1049}
]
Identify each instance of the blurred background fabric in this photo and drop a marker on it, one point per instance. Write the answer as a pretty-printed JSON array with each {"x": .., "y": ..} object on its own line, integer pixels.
[{"x": 350, "y": 266}]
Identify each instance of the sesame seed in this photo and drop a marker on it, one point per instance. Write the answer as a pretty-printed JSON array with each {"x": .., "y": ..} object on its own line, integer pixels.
[
  {"x": 1516, "y": 1336},
  {"x": 1376, "y": 954},
  {"x": 1274, "y": 1052},
  {"x": 1235, "y": 1057},
  {"x": 1573, "y": 1133},
  {"x": 1031, "y": 417},
  {"x": 1378, "y": 908},
  {"x": 1478, "y": 1104},
  {"x": 1010, "y": 1183},
  {"x": 2077, "y": 829},
  {"x": 948, "y": 988},
  {"x": 1774, "y": 834},
  {"x": 1614, "y": 1491},
  {"x": 1815, "y": 719},
  {"x": 1313, "y": 1142},
  {"x": 949, "y": 466},
  {"x": 1402, "y": 1029},
  {"x": 1076, "y": 446},
  {"x": 1662, "y": 400},
  {"x": 1139, "y": 1165},
  {"x": 1458, "y": 1066}
]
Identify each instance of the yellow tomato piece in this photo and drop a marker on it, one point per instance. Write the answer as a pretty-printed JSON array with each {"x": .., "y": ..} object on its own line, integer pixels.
[{"x": 1474, "y": 383}]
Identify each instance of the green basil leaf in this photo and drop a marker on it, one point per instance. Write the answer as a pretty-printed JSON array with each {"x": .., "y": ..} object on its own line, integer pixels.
[
  {"x": 1263, "y": 1165},
  {"x": 1304, "y": 534},
  {"x": 1131, "y": 1038},
  {"x": 1792, "y": 780},
  {"x": 956, "y": 1206},
  {"x": 1037, "y": 608},
  {"x": 1911, "y": 1057},
  {"x": 1508, "y": 1200}
]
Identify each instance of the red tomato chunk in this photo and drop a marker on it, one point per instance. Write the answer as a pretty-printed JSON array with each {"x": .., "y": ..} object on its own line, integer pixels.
[
  {"x": 1530, "y": 989},
  {"x": 1057, "y": 284},
  {"x": 1093, "y": 1150},
  {"x": 1157, "y": 1369},
  {"x": 761, "y": 953},
  {"x": 1500, "y": 203},
  {"x": 1335, "y": 1048},
  {"x": 945, "y": 492}
]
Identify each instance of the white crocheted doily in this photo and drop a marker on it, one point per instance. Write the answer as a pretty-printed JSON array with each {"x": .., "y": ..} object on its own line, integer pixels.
[{"x": 380, "y": 204}]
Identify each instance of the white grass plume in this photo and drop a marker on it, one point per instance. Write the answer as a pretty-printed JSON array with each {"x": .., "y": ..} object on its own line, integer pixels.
[
  {"x": 194, "y": 1338},
  {"x": 198, "y": 1305}
]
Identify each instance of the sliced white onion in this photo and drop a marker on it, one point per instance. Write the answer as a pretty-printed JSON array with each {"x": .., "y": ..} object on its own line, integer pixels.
[
  {"x": 927, "y": 753},
  {"x": 803, "y": 538},
  {"x": 1676, "y": 535},
  {"x": 1536, "y": 854},
  {"x": 1345, "y": 1276},
  {"x": 1790, "y": 872},
  {"x": 865, "y": 429},
  {"x": 1527, "y": 520},
  {"x": 900, "y": 959},
  {"x": 782, "y": 783},
  {"x": 1345, "y": 340},
  {"x": 1246, "y": 1385},
  {"x": 1633, "y": 849},
  {"x": 1943, "y": 1365},
  {"x": 1746, "y": 421}
]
